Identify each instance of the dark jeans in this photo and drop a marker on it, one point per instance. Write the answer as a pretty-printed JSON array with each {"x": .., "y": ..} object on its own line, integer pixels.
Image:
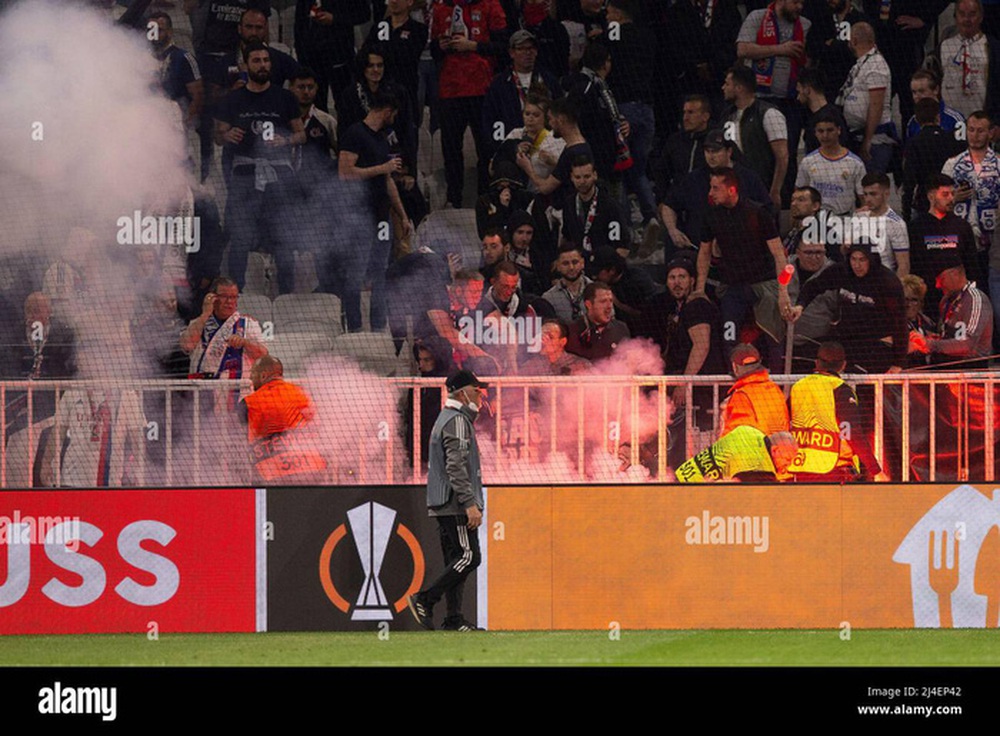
[
  {"x": 457, "y": 114},
  {"x": 262, "y": 221}
]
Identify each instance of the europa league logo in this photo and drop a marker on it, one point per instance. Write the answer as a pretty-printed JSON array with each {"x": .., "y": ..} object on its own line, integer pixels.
[{"x": 371, "y": 526}]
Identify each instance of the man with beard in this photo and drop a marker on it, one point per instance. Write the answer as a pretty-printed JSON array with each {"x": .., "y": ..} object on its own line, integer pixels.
[
  {"x": 926, "y": 152},
  {"x": 592, "y": 217},
  {"x": 179, "y": 74},
  {"x": 812, "y": 97},
  {"x": 257, "y": 126},
  {"x": 976, "y": 172},
  {"x": 684, "y": 208},
  {"x": 597, "y": 334},
  {"x": 806, "y": 203},
  {"x": 566, "y": 296},
  {"x": 938, "y": 235},
  {"x": 532, "y": 257},
  {"x": 315, "y": 161},
  {"x": 552, "y": 359},
  {"x": 563, "y": 119},
  {"x": 872, "y": 326}
]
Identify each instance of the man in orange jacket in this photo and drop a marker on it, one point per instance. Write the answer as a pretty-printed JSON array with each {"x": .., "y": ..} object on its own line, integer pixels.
[
  {"x": 754, "y": 400},
  {"x": 276, "y": 414}
]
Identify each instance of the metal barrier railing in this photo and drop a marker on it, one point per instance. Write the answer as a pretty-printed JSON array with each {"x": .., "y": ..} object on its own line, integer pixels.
[{"x": 915, "y": 419}]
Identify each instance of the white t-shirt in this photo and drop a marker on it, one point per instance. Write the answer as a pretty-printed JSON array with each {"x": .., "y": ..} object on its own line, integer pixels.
[
  {"x": 550, "y": 145},
  {"x": 965, "y": 64},
  {"x": 838, "y": 180},
  {"x": 870, "y": 72}
]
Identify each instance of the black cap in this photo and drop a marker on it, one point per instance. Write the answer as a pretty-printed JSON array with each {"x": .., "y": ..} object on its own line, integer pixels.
[
  {"x": 948, "y": 260},
  {"x": 461, "y": 379},
  {"x": 715, "y": 139},
  {"x": 681, "y": 261},
  {"x": 519, "y": 218},
  {"x": 861, "y": 247}
]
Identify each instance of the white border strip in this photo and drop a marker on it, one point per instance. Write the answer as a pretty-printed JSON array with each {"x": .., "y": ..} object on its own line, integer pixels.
[
  {"x": 261, "y": 519},
  {"x": 482, "y": 573}
]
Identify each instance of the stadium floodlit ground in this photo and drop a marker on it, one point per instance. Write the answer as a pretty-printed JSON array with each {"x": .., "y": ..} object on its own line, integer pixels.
[{"x": 742, "y": 648}]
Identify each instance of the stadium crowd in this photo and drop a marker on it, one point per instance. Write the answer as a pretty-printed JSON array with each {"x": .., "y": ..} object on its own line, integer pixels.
[{"x": 712, "y": 177}]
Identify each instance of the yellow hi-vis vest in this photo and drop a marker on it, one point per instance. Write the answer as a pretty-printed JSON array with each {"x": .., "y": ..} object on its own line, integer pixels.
[
  {"x": 742, "y": 450},
  {"x": 815, "y": 426}
]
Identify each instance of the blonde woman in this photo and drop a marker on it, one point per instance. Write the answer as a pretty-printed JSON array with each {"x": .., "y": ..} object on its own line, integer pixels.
[{"x": 535, "y": 139}]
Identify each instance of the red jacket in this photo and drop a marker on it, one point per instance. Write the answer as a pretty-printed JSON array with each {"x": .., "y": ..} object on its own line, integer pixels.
[{"x": 468, "y": 73}]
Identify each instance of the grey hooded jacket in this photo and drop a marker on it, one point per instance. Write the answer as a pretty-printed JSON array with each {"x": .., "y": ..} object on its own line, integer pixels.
[{"x": 454, "y": 477}]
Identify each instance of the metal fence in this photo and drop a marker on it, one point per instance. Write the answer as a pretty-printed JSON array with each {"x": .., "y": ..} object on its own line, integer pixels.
[{"x": 931, "y": 427}]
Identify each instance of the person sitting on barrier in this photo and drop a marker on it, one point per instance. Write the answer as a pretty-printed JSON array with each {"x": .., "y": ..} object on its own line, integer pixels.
[
  {"x": 746, "y": 454},
  {"x": 826, "y": 424},
  {"x": 754, "y": 400},
  {"x": 276, "y": 414}
]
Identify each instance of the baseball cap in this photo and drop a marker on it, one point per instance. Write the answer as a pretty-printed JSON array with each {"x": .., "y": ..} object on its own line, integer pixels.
[
  {"x": 948, "y": 261},
  {"x": 744, "y": 355},
  {"x": 716, "y": 140},
  {"x": 831, "y": 352},
  {"x": 861, "y": 247},
  {"x": 682, "y": 262},
  {"x": 461, "y": 379},
  {"x": 522, "y": 36}
]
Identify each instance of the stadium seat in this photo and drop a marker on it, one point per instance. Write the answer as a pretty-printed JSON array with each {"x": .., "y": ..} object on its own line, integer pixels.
[
  {"x": 451, "y": 230},
  {"x": 294, "y": 349},
  {"x": 318, "y": 313},
  {"x": 373, "y": 350},
  {"x": 258, "y": 306}
]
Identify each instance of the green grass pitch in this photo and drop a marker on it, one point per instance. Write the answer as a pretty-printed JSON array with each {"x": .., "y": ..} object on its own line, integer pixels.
[{"x": 826, "y": 648}]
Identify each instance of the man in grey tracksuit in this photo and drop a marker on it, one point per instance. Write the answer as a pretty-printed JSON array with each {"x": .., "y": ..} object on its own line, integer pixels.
[{"x": 455, "y": 499}]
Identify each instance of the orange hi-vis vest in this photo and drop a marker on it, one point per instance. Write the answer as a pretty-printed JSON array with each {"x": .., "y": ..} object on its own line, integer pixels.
[{"x": 276, "y": 414}]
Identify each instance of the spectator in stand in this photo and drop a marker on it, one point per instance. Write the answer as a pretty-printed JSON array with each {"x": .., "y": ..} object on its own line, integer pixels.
[
  {"x": 506, "y": 194},
  {"x": 810, "y": 260},
  {"x": 926, "y": 153},
  {"x": 965, "y": 330},
  {"x": 563, "y": 119},
  {"x": 937, "y": 235},
  {"x": 759, "y": 128},
  {"x": 364, "y": 156},
  {"x": 893, "y": 241},
  {"x": 552, "y": 359},
  {"x": 773, "y": 43},
  {"x": 834, "y": 56},
  {"x": 601, "y": 121},
  {"x": 631, "y": 82},
  {"x": 566, "y": 295},
  {"x": 682, "y": 153},
  {"x": 433, "y": 358},
  {"x": 699, "y": 66},
  {"x": 592, "y": 216},
  {"x": 865, "y": 99},
  {"x": 534, "y": 140},
  {"x": 806, "y": 203},
  {"x": 221, "y": 36},
  {"x": 976, "y": 172},
  {"x": 258, "y": 126},
  {"x": 688, "y": 332},
  {"x": 832, "y": 169},
  {"x": 324, "y": 41},
  {"x": 597, "y": 334},
  {"x": 179, "y": 73},
  {"x": 872, "y": 326},
  {"x": 467, "y": 39},
  {"x": 222, "y": 342},
  {"x": 924, "y": 84},
  {"x": 969, "y": 61},
  {"x": 403, "y": 39},
  {"x": 502, "y": 301},
  {"x": 754, "y": 400},
  {"x": 752, "y": 257},
  {"x": 446, "y": 318},
  {"x": 811, "y": 95},
  {"x": 494, "y": 246},
  {"x": 594, "y": 18},
  {"x": 355, "y": 101},
  {"x": 631, "y": 286},
  {"x": 507, "y": 96},
  {"x": 549, "y": 33},
  {"x": 901, "y": 29},
  {"x": 918, "y": 324},
  {"x": 532, "y": 254},
  {"x": 315, "y": 160},
  {"x": 687, "y": 203}
]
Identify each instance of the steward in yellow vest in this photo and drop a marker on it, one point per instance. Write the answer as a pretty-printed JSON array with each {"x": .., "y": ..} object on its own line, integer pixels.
[
  {"x": 746, "y": 454},
  {"x": 827, "y": 425}
]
